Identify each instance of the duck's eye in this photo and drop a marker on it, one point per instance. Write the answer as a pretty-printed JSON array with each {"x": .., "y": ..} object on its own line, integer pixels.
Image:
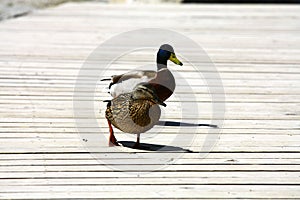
[{"x": 173, "y": 55}]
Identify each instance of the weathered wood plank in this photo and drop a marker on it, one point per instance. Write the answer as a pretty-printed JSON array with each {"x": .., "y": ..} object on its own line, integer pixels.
[{"x": 160, "y": 192}]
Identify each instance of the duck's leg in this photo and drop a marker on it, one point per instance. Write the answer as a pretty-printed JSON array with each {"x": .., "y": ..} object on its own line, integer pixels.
[
  {"x": 137, "y": 144},
  {"x": 112, "y": 139}
]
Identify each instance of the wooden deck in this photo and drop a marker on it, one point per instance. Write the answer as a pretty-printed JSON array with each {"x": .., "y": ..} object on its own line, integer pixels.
[{"x": 256, "y": 51}]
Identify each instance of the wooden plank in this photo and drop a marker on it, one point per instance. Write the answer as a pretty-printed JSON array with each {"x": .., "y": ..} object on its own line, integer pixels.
[
  {"x": 162, "y": 191},
  {"x": 65, "y": 161},
  {"x": 115, "y": 181}
]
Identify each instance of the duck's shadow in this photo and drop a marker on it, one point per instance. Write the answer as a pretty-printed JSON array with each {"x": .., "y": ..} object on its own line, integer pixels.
[
  {"x": 162, "y": 148},
  {"x": 154, "y": 147},
  {"x": 172, "y": 123}
]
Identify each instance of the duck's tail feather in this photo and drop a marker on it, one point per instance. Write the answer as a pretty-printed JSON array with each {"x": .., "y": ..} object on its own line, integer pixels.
[{"x": 106, "y": 79}]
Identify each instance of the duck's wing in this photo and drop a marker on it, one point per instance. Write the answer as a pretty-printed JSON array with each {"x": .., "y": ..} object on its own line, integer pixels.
[{"x": 125, "y": 83}]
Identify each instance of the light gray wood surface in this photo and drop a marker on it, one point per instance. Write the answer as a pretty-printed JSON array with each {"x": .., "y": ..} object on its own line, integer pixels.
[{"x": 255, "y": 49}]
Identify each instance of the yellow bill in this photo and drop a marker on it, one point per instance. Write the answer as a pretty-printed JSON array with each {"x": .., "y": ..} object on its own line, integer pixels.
[{"x": 175, "y": 60}]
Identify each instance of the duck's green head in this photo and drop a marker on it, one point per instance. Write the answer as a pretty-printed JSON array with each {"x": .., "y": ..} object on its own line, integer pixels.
[{"x": 165, "y": 53}]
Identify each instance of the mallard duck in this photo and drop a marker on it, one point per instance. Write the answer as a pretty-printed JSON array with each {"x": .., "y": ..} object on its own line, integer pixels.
[
  {"x": 162, "y": 80},
  {"x": 134, "y": 112}
]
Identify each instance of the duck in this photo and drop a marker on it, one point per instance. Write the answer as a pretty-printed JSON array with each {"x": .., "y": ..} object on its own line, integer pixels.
[
  {"x": 162, "y": 80},
  {"x": 135, "y": 112}
]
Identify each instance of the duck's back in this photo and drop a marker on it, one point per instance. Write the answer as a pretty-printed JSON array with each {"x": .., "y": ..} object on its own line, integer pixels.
[{"x": 125, "y": 83}]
